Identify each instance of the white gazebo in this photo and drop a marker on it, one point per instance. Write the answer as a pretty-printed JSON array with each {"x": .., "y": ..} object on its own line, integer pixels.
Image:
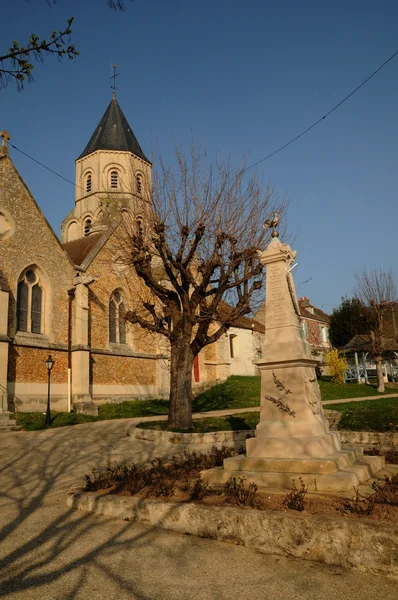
[{"x": 361, "y": 366}]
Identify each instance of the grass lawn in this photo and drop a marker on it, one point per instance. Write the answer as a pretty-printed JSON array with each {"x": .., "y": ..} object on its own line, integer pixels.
[
  {"x": 236, "y": 392},
  {"x": 209, "y": 424},
  {"x": 337, "y": 391},
  {"x": 368, "y": 415}
]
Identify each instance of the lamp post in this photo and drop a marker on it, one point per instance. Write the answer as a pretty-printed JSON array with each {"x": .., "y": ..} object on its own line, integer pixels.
[{"x": 49, "y": 365}]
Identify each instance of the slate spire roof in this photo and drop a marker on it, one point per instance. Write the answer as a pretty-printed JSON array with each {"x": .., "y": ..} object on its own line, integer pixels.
[{"x": 114, "y": 133}]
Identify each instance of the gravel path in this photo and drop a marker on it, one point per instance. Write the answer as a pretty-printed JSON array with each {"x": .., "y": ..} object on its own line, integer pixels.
[{"x": 48, "y": 551}]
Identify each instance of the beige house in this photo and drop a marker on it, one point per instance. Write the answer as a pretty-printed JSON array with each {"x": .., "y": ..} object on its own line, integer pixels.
[{"x": 68, "y": 297}]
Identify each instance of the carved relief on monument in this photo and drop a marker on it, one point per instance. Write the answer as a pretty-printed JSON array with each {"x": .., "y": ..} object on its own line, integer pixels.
[
  {"x": 313, "y": 395},
  {"x": 7, "y": 226}
]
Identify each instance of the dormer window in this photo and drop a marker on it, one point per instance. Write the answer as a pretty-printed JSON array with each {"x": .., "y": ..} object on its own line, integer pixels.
[
  {"x": 139, "y": 185},
  {"x": 114, "y": 179},
  {"x": 88, "y": 182},
  {"x": 87, "y": 226}
]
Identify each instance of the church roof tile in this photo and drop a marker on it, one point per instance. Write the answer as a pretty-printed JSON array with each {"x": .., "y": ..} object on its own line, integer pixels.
[{"x": 114, "y": 133}]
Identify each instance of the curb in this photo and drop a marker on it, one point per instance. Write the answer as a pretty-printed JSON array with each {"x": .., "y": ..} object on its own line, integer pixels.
[{"x": 365, "y": 545}]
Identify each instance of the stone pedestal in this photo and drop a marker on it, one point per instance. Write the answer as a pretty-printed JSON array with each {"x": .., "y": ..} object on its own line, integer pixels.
[{"x": 292, "y": 438}]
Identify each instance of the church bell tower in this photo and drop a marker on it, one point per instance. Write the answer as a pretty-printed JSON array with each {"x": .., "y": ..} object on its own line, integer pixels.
[{"x": 112, "y": 175}]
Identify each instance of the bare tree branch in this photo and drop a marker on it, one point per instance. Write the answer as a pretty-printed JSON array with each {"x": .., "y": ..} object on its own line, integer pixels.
[
  {"x": 197, "y": 253},
  {"x": 377, "y": 291}
]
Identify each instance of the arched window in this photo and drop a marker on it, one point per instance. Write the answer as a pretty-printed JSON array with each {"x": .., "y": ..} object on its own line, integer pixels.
[
  {"x": 88, "y": 182},
  {"x": 139, "y": 184},
  {"x": 114, "y": 179},
  {"x": 117, "y": 322},
  {"x": 72, "y": 232},
  {"x": 87, "y": 226},
  {"x": 29, "y": 303}
]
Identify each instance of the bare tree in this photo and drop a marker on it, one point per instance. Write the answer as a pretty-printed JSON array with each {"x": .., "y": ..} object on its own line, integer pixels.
[
  {"x": 197, "y": 251},
  {"x": 378, "y": 293}
]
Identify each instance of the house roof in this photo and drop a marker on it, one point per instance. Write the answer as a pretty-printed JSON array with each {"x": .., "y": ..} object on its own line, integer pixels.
[
  {"x": 241, "y": 322},
  {"x": 79, "y": 249},
  {"x": 361, "y": 343},
  {"x": 317, "y": 315},
  {"x": 113, "y": 133}
]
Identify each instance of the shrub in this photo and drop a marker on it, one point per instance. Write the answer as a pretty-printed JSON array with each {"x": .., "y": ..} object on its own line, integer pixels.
[
  {"x": 337, "y": 366},
  {"x": 162, "y": 474},
  {"x": 387, "y": 492},
  {"x": 361, "y": 505},
  {"x": 295, "y": 499},
  {"x": 236, "y": 492},
  {"x": 197, "y": 489}
]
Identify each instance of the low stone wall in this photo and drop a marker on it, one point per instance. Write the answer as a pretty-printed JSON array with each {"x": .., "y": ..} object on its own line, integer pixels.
[
  {"x": 351, "y": 438},
  {"x": 369, "y": 438},
  {"x": 216, "y": 437},
  {"x": 363, "y": 544}
]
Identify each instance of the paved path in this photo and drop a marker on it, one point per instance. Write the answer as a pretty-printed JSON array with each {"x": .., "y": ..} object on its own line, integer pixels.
[
  {"x": 50, "y": 551},
  {"x": 237, "y": 411},
  {"x": 381, "y": 397}
]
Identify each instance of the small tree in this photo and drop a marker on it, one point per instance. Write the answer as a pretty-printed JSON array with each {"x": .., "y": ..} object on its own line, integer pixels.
[
  {"x": 337, "y": 366},
  {"x": 346, "y": 321},
  {"x": 378, "y": 293},
  {"x": 198, "y": 254}
]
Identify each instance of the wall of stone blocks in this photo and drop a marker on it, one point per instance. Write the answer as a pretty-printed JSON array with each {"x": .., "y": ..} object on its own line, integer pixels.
[{"x": 117, "y": 370}]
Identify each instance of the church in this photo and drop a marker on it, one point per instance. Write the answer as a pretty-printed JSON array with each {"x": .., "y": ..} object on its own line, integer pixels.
[{"x": 67, "y": 297}]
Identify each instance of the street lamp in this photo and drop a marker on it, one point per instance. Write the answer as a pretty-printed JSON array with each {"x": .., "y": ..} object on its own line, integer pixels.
[{"x": 49, "y": 365}]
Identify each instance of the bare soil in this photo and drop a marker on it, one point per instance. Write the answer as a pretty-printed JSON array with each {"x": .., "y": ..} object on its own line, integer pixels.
[{"x": 327, "y": 505}]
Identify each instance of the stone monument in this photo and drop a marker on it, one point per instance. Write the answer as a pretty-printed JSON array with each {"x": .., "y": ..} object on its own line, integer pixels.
[{"x": 293, "y": 437}]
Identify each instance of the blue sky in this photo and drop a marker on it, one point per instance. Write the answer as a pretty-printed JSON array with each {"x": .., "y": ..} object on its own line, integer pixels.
[{"x": 244, "y": 78}]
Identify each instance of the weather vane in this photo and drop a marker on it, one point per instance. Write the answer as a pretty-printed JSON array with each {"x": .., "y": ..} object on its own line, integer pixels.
[
  {"x": 272, "y": 223},
  {"x": 114, "y": 88}
]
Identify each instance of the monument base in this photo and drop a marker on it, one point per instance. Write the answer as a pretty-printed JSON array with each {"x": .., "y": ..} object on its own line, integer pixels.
[{"x": 341, "y": 471}]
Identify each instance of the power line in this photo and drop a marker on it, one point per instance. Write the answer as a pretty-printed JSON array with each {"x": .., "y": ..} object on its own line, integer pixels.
[
  {"x": 43, "y": 165},
  {"x": 268, "y": 155},
  {"x": 324, "y": 116}
]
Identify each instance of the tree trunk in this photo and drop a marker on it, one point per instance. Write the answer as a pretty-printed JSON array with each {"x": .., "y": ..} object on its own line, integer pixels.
[
  {"x": 379, "y": 373},
  {"x": 180, "y": 406}
]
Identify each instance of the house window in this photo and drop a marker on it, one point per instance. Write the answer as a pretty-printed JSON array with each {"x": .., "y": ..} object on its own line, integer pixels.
[
  {"x": 233, "y": 346},
  {"x": 29, "y": 303},
  {"x": 304, "y": 327},
  {"x": 87, "y": 226},
  {"x": 117, "y": 322},
  {"x": 139, "y": 185},
  {"x": 88, "y": 182},
  {"x": 114, "y": 179},
  {"x": 324, "y": 334}
]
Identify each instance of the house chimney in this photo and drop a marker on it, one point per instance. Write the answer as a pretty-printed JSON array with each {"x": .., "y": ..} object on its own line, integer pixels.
[{"x": 304, "y": 302}]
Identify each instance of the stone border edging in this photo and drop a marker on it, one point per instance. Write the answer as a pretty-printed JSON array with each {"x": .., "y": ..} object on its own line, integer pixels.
[
  {"x": 368, "y": 437},
  {"x": 366, "y": 545},
  {"x": 215, "y": 437},
  {"x": 240, "y": 436}
]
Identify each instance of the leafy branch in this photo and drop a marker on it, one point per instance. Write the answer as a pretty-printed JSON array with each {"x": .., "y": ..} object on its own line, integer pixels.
[
  {"x": 281, "y": 404},
  {"x": 16, "y": 64}
]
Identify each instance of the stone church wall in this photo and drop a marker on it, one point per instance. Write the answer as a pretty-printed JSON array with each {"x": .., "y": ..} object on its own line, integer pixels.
[{"x": 32, "y": 243}]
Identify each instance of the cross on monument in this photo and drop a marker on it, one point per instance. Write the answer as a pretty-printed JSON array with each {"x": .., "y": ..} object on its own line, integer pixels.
[
  {"x": 5, "y": 135},
  {"x": 114, "y": 88}
]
